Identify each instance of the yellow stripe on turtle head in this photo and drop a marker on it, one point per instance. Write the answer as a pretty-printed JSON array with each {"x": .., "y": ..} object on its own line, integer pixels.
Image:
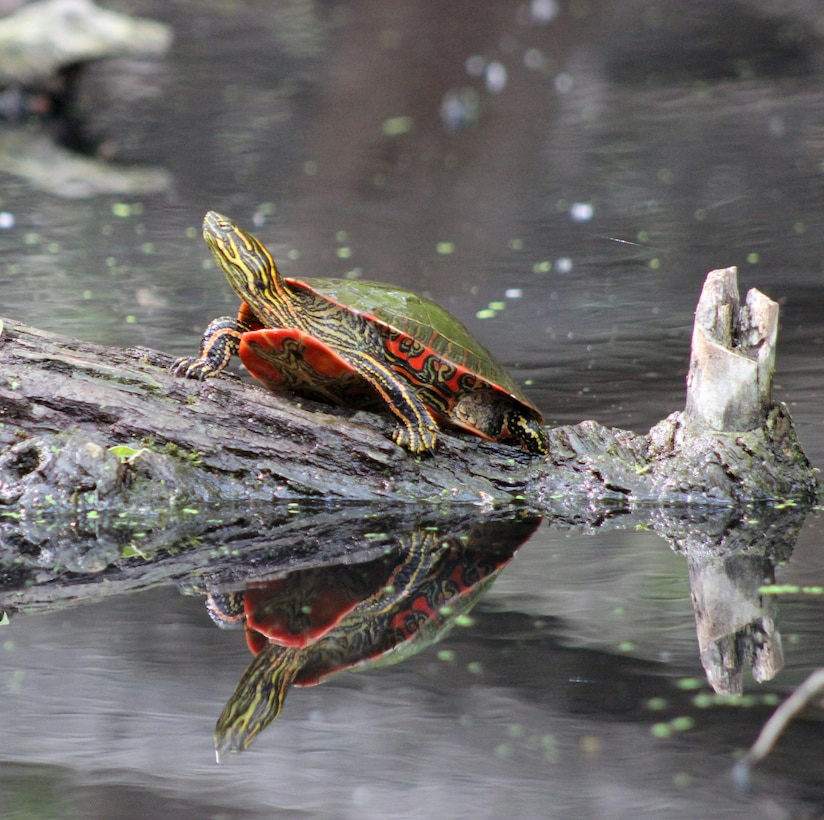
[
  {"x": 258, "y": 699},
  {"x": 247, "y": 264}
]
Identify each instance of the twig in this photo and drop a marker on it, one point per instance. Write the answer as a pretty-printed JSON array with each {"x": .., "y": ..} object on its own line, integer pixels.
[{"x": 775, "y": 726}]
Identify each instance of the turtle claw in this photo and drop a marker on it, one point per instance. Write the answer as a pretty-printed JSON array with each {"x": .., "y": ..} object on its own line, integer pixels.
[
  {"x": 416, "y": 441},
  {"x": 190, "y": 368},
  {"x": 180, "y": 367},
  {"x": 220, "y": 342}
]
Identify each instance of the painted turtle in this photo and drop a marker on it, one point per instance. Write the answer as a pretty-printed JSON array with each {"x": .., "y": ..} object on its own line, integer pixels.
[
  {"x": 298, "y": 609},
  {"x": 361, "y": 344},
  {"x": 430, "y": 583}
]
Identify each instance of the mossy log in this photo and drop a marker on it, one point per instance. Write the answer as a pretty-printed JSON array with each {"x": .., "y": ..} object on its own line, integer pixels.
[{"x": 96, "y": 428}]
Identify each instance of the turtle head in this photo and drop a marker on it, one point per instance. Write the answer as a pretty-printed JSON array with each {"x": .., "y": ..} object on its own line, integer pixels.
[
  {"x": 258, "y": 699},
  {"x": 247, "y": 264}
]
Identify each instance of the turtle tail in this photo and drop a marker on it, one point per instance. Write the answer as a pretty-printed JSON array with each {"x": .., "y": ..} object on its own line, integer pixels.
[{"x": 257, "y": 700}]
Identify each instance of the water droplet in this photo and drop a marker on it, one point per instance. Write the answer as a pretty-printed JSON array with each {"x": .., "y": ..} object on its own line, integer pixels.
[
  {"x": 564, "y": 265},
  {"x": 475, "y": 65},
  {"x": 581, "y": 211},
  {"x": 563, "y": 83},
  {"x": 543, "y": 11},
  {"x": 496, "y": 77}
]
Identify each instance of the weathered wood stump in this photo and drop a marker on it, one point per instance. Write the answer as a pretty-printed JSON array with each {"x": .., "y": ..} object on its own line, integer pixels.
[{"x": 729, "y": 387}]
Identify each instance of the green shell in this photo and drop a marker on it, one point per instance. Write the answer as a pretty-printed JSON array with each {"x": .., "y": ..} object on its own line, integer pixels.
[{"x": 421, "y": 319}]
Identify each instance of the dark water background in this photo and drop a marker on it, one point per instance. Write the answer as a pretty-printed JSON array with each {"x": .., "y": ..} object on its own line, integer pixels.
[{"x": 632, "y": 147}]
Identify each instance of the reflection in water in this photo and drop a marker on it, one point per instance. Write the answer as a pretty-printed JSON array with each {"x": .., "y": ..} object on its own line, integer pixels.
[
  {"x": 362, "y": 596},
  {"x": 317, "y": 622},
  {"x": 731, "y": 565},
  {"x": 50, "y": 167}
]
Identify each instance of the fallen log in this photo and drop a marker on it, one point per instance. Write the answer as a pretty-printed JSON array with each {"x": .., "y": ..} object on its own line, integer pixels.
[{"x": 90, "y": 428}]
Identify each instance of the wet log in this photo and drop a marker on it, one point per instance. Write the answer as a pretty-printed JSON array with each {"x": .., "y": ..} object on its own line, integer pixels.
[{"x": 90, "y": 428}]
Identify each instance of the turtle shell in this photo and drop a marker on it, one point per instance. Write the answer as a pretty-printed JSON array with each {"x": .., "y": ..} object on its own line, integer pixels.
[
  {"x": 302, "y": 607},
  {"x": 404, "y": 317}
]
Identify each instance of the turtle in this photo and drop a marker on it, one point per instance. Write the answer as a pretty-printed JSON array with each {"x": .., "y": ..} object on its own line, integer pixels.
[
  {"x": 359, "y": 344},
  {"x": 299, "y": 608},
  {"x": 431, "y": 582}
]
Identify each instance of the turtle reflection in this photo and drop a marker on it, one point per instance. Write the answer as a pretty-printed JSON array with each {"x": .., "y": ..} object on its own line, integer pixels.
[{"x": 315, "y": 623}]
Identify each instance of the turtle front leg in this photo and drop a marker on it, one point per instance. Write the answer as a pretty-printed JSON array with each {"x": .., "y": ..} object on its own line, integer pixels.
[
  {"x": 220, "y": 342},
  {"x": 419, "y": 432}
]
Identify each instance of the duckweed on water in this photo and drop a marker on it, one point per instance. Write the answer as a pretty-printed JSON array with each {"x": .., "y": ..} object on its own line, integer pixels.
[
  {"x": 790, "y": 589},
  {"x": 395, "y": 126},
  {"x": 682, "y": 724},
  {"x": 706, "y": 700},
  {"x": 661, "y": 730},
  {"x": 591, "y": 745}
]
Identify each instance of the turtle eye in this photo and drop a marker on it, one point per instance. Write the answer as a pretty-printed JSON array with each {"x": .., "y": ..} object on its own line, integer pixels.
[{"x": 258, "y": 284}]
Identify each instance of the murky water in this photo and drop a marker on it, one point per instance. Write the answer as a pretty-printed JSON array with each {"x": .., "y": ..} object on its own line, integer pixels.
[{"x": 563, "y": 193}]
